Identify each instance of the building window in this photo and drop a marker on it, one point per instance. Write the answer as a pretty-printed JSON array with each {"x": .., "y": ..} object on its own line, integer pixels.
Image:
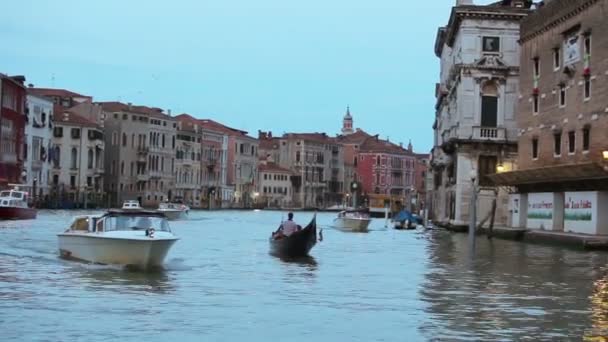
[
  {"x": 562, "y": 95},
  {"x": 587, "y": 48},
  {"x": 557, "y": 144},
  {"x": 124, "y": 140},
  {"x": 536, "y": 67},
  {"x": 58, "y": 132},
  {"x": 491, "y": 44},
  {"x": 587, "y": 87},
  {"x": 75, "y": 133},
  {"x": 534, "y": 148},
  {"x": 72, "y": 181},
  {"x": 556, "y": 59},
  {"x": 535, "y": 101},
  {"x": 297, "y": 156},
  {"x": 90, "y": 161},
  {"x": 89, "y": 181},
  {"x": 489, "y": 105},
  {"x": 378, "y": 160},
  {"x": 586, "y": 138},
  {"x": 122, "y": 168},
  {"x": 571, "y": 142},
  {"x": 487, "y": 166},
  {"x": 74, "y": 160}
]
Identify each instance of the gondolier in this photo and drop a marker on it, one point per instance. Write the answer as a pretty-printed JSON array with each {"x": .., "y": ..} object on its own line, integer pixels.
[{"x": 289, "y": 227}]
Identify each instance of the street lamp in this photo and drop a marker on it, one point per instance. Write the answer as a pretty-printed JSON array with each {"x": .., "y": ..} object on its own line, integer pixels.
[
  {"x": 605, "y": 155},
  {"x": 500, "y": 168},
  {"x": 473, "y": 211},
  {"x": 34, "y": 182}
]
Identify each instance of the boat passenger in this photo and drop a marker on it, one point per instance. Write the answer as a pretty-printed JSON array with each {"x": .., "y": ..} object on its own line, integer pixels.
[{"x": 289, "y": 227}]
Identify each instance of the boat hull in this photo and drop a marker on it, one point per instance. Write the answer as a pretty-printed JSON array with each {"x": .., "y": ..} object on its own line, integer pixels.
[
  {"x": 12, "y": 213},
  {"x": 352, "y": 224},
  {"x": 175, "y": 214},
  {"x": 400, "y": 225},
  {"x": 297, "y": 244},
  {"x": 140, "y": 253}
]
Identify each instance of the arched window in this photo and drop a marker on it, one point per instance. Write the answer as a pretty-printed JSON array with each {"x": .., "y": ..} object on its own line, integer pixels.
[
  {"x": 74, "y": 160},
  {"x": 151, "y": 138},
  {"x": 90, "y": 161},
  {"x": 489, "y": 104},
  {"x": 57, "y": 156},
  {"x": 163, "y": 141},
  {"x": 133, "y": 140},
  {"x": 122, "y": 168},
  {"x": 114, "y": 138},
  {"x": 378, "y": 160},
  {"x": 124, "y": 140}
]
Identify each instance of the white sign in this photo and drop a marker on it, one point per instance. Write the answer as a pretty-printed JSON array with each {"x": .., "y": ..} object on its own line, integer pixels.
[
  {"x": 580, "y": 210},
  {"x": 540, "y": 210},
  {"x": 572, "y": 51}
]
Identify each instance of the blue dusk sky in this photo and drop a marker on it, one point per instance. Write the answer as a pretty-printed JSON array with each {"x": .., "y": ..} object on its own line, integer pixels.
[{"x": 284, "y": 66}]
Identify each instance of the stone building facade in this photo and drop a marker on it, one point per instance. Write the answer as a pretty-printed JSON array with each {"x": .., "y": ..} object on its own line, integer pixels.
[
  {"x": 140, "y": 153},
  {"x": 77, "y": 157},
  {"x": 38, "y": 137},
  {"x": 475, "y": 127},
  {"x": 562, "y": 179}
]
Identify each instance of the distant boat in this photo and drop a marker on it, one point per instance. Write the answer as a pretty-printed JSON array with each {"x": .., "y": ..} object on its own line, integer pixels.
[
  {"x": 404, "y": 220},
  {"x": 137, "y": 238},
  {"x": 131, "y": 205},
  {"x": 297, "y": 244},
  {"x": 13, "y": 205},
  {"x": 174, "y": 211},
  {"x": 354, "y": 221}
]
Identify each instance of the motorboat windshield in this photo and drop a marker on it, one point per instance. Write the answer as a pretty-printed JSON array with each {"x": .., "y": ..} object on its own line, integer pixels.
[{"x": 135, "y": 222}]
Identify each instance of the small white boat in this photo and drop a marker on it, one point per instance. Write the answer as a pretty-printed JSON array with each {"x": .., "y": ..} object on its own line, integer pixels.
[
  {"x": 140, "y": 239},
  {"x": 131, "y": 205},
  {"x": 355, "y": 221},
  {"x": 174, "y": 211}
]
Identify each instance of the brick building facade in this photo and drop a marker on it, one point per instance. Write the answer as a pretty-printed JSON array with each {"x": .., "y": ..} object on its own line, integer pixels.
[{"x": 562, "y": 119}]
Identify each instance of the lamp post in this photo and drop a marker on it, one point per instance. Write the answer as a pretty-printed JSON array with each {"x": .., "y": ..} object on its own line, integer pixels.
[
  {"x": 354, "y": 188},
  {"x": 473, "y": 211},
  {"x": 34, "y": 183}
]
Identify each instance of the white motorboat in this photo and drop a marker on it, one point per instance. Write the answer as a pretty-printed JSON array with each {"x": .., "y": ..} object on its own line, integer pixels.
[
  {"x": 131, "y": 205},
  {"x": 355, "y": 221},
  {"x": 123, "y": 237},
  {"x": 174, "y": 211}
]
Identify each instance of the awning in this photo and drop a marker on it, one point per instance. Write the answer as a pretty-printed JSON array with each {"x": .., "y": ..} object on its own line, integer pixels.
[{"x": 551, "y": 174}]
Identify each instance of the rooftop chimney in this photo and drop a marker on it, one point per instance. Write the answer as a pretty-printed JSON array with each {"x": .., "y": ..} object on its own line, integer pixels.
[
  {"x": 130, "y": 105},
  {"x": 169, "y": 112}
]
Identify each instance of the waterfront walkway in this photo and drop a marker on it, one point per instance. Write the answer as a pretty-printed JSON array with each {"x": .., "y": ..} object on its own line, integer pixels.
[{"x": 575, "y": 240}]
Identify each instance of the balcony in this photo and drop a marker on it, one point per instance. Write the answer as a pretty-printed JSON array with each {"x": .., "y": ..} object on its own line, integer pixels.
[
  {"x": 36, "y": 165},
  {"x": 142, "y": 151},
  {"x": 489, "y": 133},
  {"x": 100, "y": 170},
  {"x": 156, "y": 174},
  {"x": 143, "y": 178}
]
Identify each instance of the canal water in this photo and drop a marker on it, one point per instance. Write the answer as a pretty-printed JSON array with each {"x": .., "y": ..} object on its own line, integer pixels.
[{"x": 220, "y": 284}]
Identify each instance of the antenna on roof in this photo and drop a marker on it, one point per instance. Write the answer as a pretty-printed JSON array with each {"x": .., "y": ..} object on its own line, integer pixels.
[{"x": 53, "y": 80}]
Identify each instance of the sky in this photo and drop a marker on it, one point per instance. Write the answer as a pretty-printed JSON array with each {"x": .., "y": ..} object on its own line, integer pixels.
[{"x": 283, "y": 66}]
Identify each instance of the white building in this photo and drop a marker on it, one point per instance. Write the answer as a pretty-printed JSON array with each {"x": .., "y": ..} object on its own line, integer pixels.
[
  {"x": 274, "y": 185},
  {"x": 77, "y": 157},
  {"x": 475, "y": 128},
  {"x": 38, "y": 135}
]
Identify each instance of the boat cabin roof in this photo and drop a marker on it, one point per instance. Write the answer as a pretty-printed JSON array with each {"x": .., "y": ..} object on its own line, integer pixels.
[
  {"x": 13, "y": 194},
  {"x": 141, "y": 212}
]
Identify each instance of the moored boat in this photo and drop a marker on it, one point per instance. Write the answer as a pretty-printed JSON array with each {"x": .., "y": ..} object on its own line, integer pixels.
[
  {"x": 131, "y": 205},
  {"x": 404, "y": 220},
  {"x": 297, "y": 244},
  {"x": 174, "y": 211},
  {"x": 136, "y": 238},
  {"x": 354, "y": 221},
  {"x": 13, "y": 205}
]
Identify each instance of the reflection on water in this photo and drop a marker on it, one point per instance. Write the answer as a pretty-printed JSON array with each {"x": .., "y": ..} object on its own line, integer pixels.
[
  {"x": 220, "y": 283},
  {"x": 599, "y": 311},
  {"x": 123, "y": 279}
]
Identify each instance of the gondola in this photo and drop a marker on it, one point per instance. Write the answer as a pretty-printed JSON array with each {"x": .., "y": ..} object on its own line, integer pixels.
[{"x": 297, "y": 244}]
